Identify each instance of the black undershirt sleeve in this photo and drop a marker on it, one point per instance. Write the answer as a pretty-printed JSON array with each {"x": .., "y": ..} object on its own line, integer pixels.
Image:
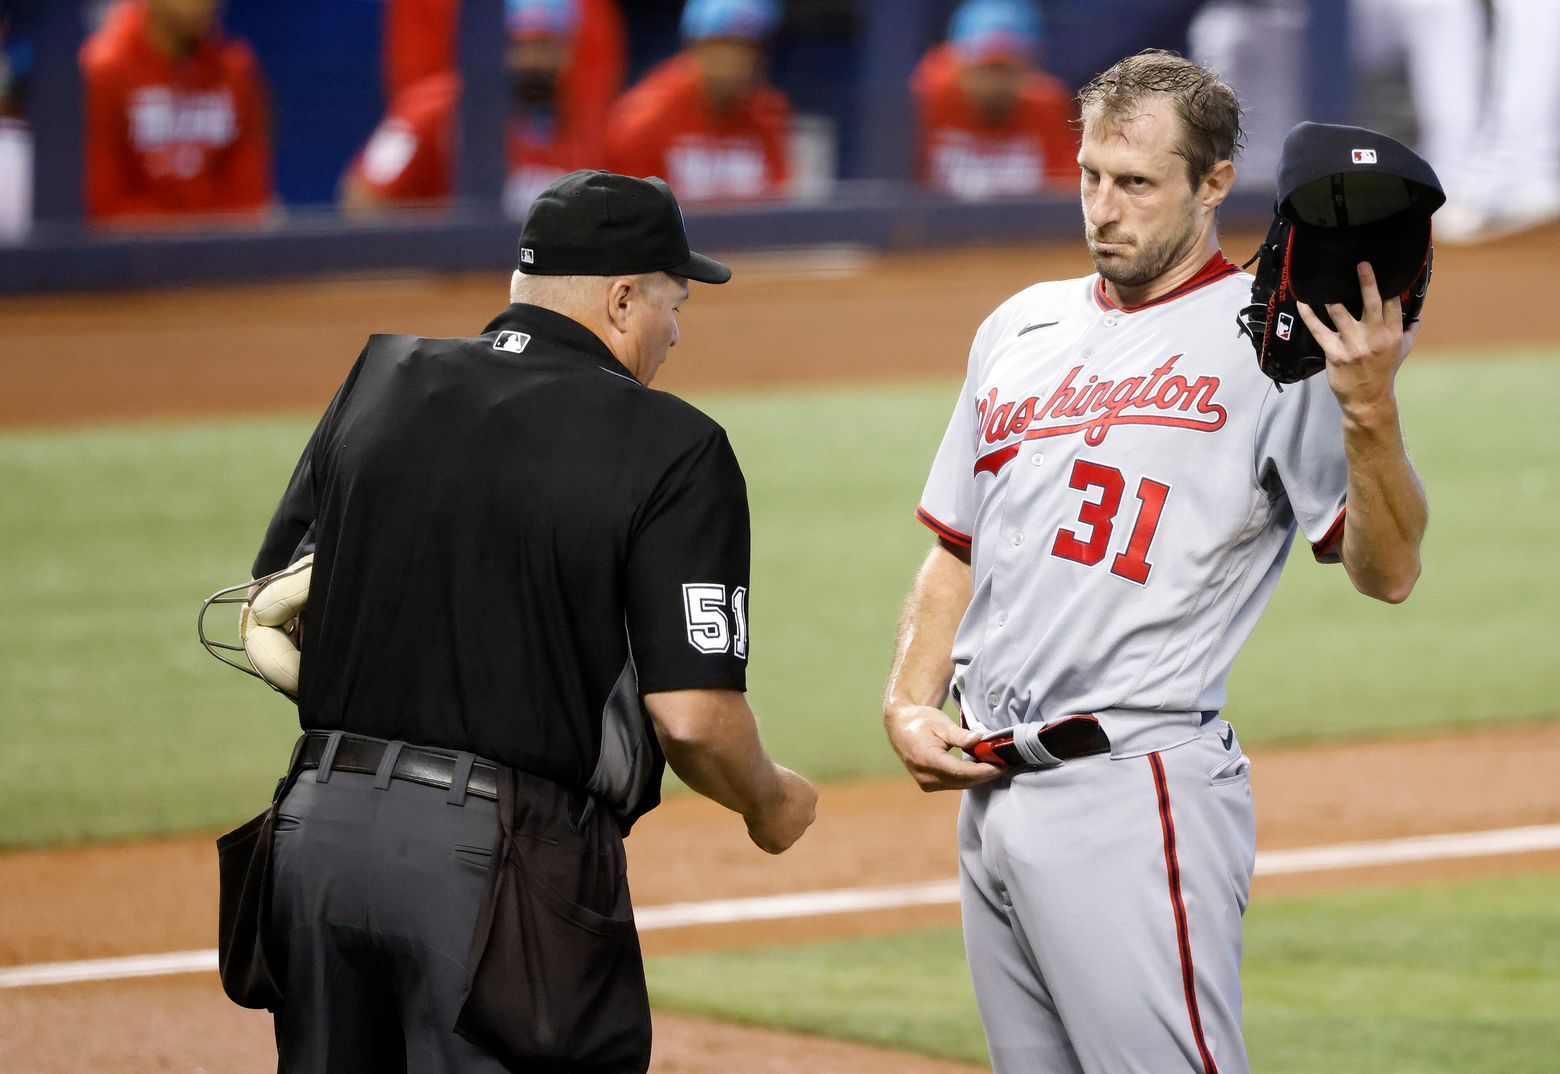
[{"x": 687, "y": 577}]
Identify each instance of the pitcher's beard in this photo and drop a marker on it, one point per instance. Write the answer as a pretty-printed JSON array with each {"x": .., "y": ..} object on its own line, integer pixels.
[{"x": 1149, "y": 264}]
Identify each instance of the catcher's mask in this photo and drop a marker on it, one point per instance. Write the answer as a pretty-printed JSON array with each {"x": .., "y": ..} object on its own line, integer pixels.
[{"x": 1345, "y": 195}]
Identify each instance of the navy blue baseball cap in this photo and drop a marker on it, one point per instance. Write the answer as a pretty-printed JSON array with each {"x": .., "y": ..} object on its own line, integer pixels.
[
  {"x": 1354, "y": 195},
  {"x": 596, "y": 223}
]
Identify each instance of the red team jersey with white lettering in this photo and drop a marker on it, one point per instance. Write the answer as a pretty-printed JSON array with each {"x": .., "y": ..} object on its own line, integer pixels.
[
  {"x": 410, "y": 156},
  {"x": 170, "y": 137},
  {"x": 964, "y": 154},
  {"x": 664, "y": 126},
  {"x": 1128, "y": 484}
]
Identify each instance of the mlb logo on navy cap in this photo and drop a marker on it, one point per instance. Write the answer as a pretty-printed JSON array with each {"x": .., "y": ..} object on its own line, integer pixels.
[
  {"x": 1376, "y": 208},
  {"x": 527, "y": 256},
  {"x": 1286, "y": 326}
]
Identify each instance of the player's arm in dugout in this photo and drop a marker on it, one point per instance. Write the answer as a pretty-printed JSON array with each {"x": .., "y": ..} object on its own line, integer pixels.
[
  {"x": 1387, "y": 508},
  {"x": 710, "y": 738},
  {"x": 919, "y": 731}
]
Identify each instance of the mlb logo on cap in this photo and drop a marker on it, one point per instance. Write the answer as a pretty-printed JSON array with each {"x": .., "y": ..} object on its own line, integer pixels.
[
  {"x": 1286, "y": 326},
  {"x": 1364, "y": 156},
  {"x": 527, "y": 256}
]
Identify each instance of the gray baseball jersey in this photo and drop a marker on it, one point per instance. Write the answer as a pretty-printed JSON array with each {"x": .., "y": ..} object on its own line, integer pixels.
[{"x": 1128, "y": 484}]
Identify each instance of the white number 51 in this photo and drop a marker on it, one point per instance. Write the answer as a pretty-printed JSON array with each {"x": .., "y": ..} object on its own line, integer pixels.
[{"x": 709, "y": 628}]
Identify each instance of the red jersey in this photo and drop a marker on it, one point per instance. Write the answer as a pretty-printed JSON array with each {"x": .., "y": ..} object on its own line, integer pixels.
[
  {"x": 420, "y": 41},
  {"x": 410, "y": 157},
  {"x": 169, "y": 136},
  {"x": 597, "y": 66},
  {"x": 542, "y": 147},
  {"x": 664, "y": 126},
  {"x": 961, "y": 152}
]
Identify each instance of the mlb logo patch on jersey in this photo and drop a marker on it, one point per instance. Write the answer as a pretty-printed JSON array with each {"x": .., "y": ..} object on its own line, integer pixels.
[
  {"x": 513, "y": 342},
  {"x": 1364, "y": 156},
  {"x": 1286, "y": 326}
]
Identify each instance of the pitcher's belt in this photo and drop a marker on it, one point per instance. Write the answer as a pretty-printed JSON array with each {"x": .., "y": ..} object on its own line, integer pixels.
[{"x": 1065, "y": 740}]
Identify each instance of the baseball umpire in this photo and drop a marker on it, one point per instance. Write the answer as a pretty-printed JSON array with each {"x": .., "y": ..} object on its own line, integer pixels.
[
  {"x": 1113, "y": 502},
  {"x": 529, "y": 592}
]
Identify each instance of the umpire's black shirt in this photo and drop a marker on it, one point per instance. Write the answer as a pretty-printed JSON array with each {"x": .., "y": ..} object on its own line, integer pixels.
[{"x": 513, "y": 540}]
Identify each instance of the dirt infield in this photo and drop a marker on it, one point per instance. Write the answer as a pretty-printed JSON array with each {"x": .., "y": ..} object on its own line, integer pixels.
[
  {"x": 834, "y": 318},
  {"x": 783, "y": 320}
]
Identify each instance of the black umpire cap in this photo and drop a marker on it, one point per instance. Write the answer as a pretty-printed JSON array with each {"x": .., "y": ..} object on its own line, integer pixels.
[
  {"x": 596, "y": 223},
  {"x": 1354, "y": 195}
]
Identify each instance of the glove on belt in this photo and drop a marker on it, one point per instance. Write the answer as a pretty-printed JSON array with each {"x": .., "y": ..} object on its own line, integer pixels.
[{"x": 1031, "y": 746}]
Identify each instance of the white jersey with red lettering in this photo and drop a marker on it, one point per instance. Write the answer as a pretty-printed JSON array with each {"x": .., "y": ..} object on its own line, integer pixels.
[{"x": 1128, "y": 483}]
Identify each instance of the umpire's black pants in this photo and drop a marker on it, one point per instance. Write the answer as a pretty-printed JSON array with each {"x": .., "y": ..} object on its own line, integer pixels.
[{"x": 376, "y": 893}]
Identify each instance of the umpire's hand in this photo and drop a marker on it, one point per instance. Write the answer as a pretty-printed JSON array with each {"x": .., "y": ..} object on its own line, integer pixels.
[
  {"x": 710, "y": 738},
  {"x": 789, "y": 814}
]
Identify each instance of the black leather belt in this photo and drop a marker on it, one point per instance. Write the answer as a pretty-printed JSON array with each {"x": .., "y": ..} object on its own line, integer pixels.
[{"x": 415, "y": 764}]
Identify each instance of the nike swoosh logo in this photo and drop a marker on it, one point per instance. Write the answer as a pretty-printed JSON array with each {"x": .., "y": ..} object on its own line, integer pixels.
[
  {"x": 1032, "y": 327},
  {"x": 1229, "y": 739}
]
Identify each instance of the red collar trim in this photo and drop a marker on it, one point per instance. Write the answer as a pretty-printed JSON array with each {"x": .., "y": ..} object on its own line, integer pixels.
[{"x": 1217, "y": 267}]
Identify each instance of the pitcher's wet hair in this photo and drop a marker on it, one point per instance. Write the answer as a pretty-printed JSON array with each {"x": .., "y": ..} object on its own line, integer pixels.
[{"x": 1208, "y": 108}]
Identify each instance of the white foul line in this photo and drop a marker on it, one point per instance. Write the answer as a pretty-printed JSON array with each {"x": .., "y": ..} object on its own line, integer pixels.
[{"x": 852, "y": 900}]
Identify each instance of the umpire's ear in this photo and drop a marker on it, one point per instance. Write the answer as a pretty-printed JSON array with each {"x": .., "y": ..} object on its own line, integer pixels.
[
  {"x": 622, "y": 293},
  {"x": 1216, "y": 185}
]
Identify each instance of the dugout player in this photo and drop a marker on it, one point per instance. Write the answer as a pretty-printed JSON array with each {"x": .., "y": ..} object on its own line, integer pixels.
[
  {"x": 707, "y": 118},
  {"x": 990, "y": 123},
  {"x": 1113, "y": 501},
  {"x": 176, "y": 119},
  {"x": 529, "y": 567},
  {"x": 563, "y": 64}
]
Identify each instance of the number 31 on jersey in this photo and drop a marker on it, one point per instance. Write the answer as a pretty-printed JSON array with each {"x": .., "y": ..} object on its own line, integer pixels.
[
  {"x": 716, "y": 625},
  {"x": 1100, "y": 516}
]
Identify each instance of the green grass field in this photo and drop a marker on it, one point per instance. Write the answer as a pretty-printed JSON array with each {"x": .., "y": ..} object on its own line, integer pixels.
[
  {"x": 1452, "y": 979},
  {"x": 116, "y": 723}
]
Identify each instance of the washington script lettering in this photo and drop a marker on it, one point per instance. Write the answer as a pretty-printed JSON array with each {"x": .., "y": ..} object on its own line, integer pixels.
[{"x": 1159, "y": 399}]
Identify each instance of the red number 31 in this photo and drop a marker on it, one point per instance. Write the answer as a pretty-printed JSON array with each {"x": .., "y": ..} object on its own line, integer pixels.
[{"x": 1099, "y": 516}]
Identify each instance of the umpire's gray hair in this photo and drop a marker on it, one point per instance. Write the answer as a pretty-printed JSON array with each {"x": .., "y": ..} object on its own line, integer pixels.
[
  {"x": 1207, "y": 106},
  {"x": 554, "y": 292},
  {"x": 564, "y": 293}
]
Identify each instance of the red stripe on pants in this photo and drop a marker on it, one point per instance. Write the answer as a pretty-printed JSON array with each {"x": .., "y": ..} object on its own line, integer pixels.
[{"x": 1183, "y": 941}]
